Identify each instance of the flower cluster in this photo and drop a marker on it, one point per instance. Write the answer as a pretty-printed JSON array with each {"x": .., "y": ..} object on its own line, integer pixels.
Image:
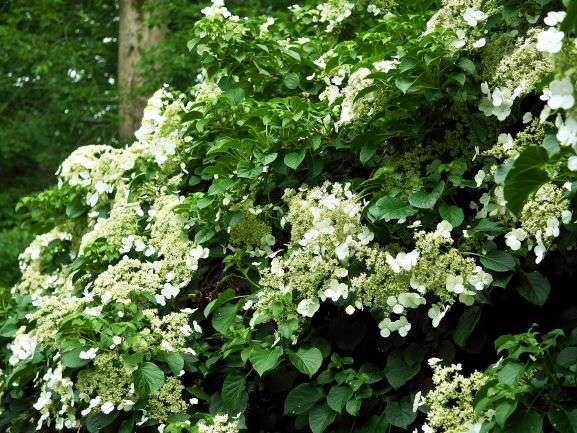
[
  {"x": 450, "y": 402},
  {"x": 332, "y": 257}
]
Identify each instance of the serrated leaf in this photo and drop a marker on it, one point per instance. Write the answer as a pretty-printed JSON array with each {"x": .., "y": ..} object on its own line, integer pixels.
[
  {"x": 338, "y": 397},
  {"x": 233, "y": 393},
  {"x": 291, "y": 80},
  {"x": 403, "y": 84},
  {"x": 535, "y": 289},
  {"x": 294, "y": 159},
  {"x": 400, "y": 413},
  {"x": 388, "y": 208},
  {"x": 301, "y": 398},
  {"x": 320, "y": 417},
  {"x": 525, "y": 177},
  {"x": 307, "y": 361},
  {"x": 223, "y": 318},
  {"x": 96, "y": 421},
  {"x": 452, "y": 214},
  {"x": 264, "y": 359},
  {"x": 148, "y": 378},
  {"x": 248, "y": 170},
  {"x": 175, "y": 362},
  {"x": 427, "y": 200},
  {"x": 367, "y": 153},
  {"x": 498, "y": 261},
  {"x": 466, "y": 325}
]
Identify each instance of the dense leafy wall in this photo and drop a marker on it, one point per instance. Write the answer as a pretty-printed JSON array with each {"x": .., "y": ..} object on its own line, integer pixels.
[{"x": 359, "y": 219}]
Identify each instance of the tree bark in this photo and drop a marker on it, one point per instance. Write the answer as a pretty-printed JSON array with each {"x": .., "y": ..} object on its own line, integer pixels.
[{"x": 135, "y": 35}]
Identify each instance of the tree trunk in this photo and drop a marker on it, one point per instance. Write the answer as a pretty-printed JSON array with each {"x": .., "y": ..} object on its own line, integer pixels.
[{"x": 135, "y": 35}]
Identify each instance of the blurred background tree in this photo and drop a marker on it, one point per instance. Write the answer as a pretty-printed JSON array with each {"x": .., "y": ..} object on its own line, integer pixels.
[{"x": 77, "y": 72}]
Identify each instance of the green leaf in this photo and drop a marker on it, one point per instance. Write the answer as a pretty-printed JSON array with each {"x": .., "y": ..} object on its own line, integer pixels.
[
  {"x": 525, "y": 177},
  {"x": 72, "y": 359},
  {"x": 338, "y": 397},
  {"x": 567, "y": 357},
  {"x": 248, "y": 170},
  {"x": 427, "y": 200},
  {"x": 563, "y": 421},
  {"x": 452, "y": 214},
  {"x": 175, "y": 362},
  {"x": 499, "y": 261},
  {"x": 402, "y": 366},
  {"x": 203, "y": 236},
  {"x": 466, "y": 325},
  {"x": 367, "y": 153},
  {"x": 294, "y": 159},
  {"x": 400, "y": 413},
  {"x": 127, "y": 425},
  {"x": 96, "y": 421},
  {"x": 510, "y": 373},
  {"x": 301, "y": 398},
  {"x": 320, "y": 417},
  {"x": 467, "y": 65},
  {"x": 535, "y": 289},
  {"x": 551, "y": 145},
  {"x": 291, "y": 80},
  {"x": 307, "y": 361},
  {"x": 388, "y": 208},
  {"x": 403, "y": 84},
  {"x": 223, "y": 318},
  {"x": 148, "y": 378},
  {"x": 353, "y": 407},
  {"x": 264, "y": 359},
  {"x": 235, "y": 95},
  {"x": 504, "y": 410},
  {"x": 523, "y": 422},
  {"x": 233, "y": 393}
]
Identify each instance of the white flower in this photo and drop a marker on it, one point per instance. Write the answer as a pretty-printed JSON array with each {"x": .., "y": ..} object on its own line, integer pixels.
[
  {"x": 539, "y": 249},
  {"x": 107, "y": 407},
  {"x": 479, "y": 177},
  {"x": 567, "y": 131},
  {"x": 248, "y": 305},
  {"x": 22, "y": 348},
  {"x": 160, "y": 300},
  {"x": 480, "y": 279},
  {"x": 455, "y": 284},
  {"x": 169, "y": 291},
  {"x": 566, "y": 216},
  {"x": 474, "y": 16},
  {"x": 527, "y": 117},
  {"x": 433, "y": 361},
  {"x": 342, "y": 251},
  {"x": 350, "y": 310},
  {"x": 554, "y": 18},
  {"x": 417, "y": 401},
  {"x": 308, "y": 307},
  {"x": 88, "y": 354},
  {"x": 444, "y": 229},
  {"x": 480, "y": 43},
  {"x": 410, "y": 300},
  {"x": 514, "y": 238},
  {"x": 264, "y": 26},
  {"x": 436, "y": 314},
  {"x": 550, "y": 40},
  {"x": 193, "y": 401},
  {"x": 407, "y": 260},
  {"x": 125, "y": 405},
  {"x": 505, "y": 140},
  {"x": 276, "y": 267},
  {"x": 572, "y": 163},
  {"x": 560, "y": 94},
  {"x": 552, "y": 229},
  {"x": 93, "y": 311},
  {"x": 385, "y": 65},
  {"x": 366, "y": 236},
  {"x": 336, "y": 290}
]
